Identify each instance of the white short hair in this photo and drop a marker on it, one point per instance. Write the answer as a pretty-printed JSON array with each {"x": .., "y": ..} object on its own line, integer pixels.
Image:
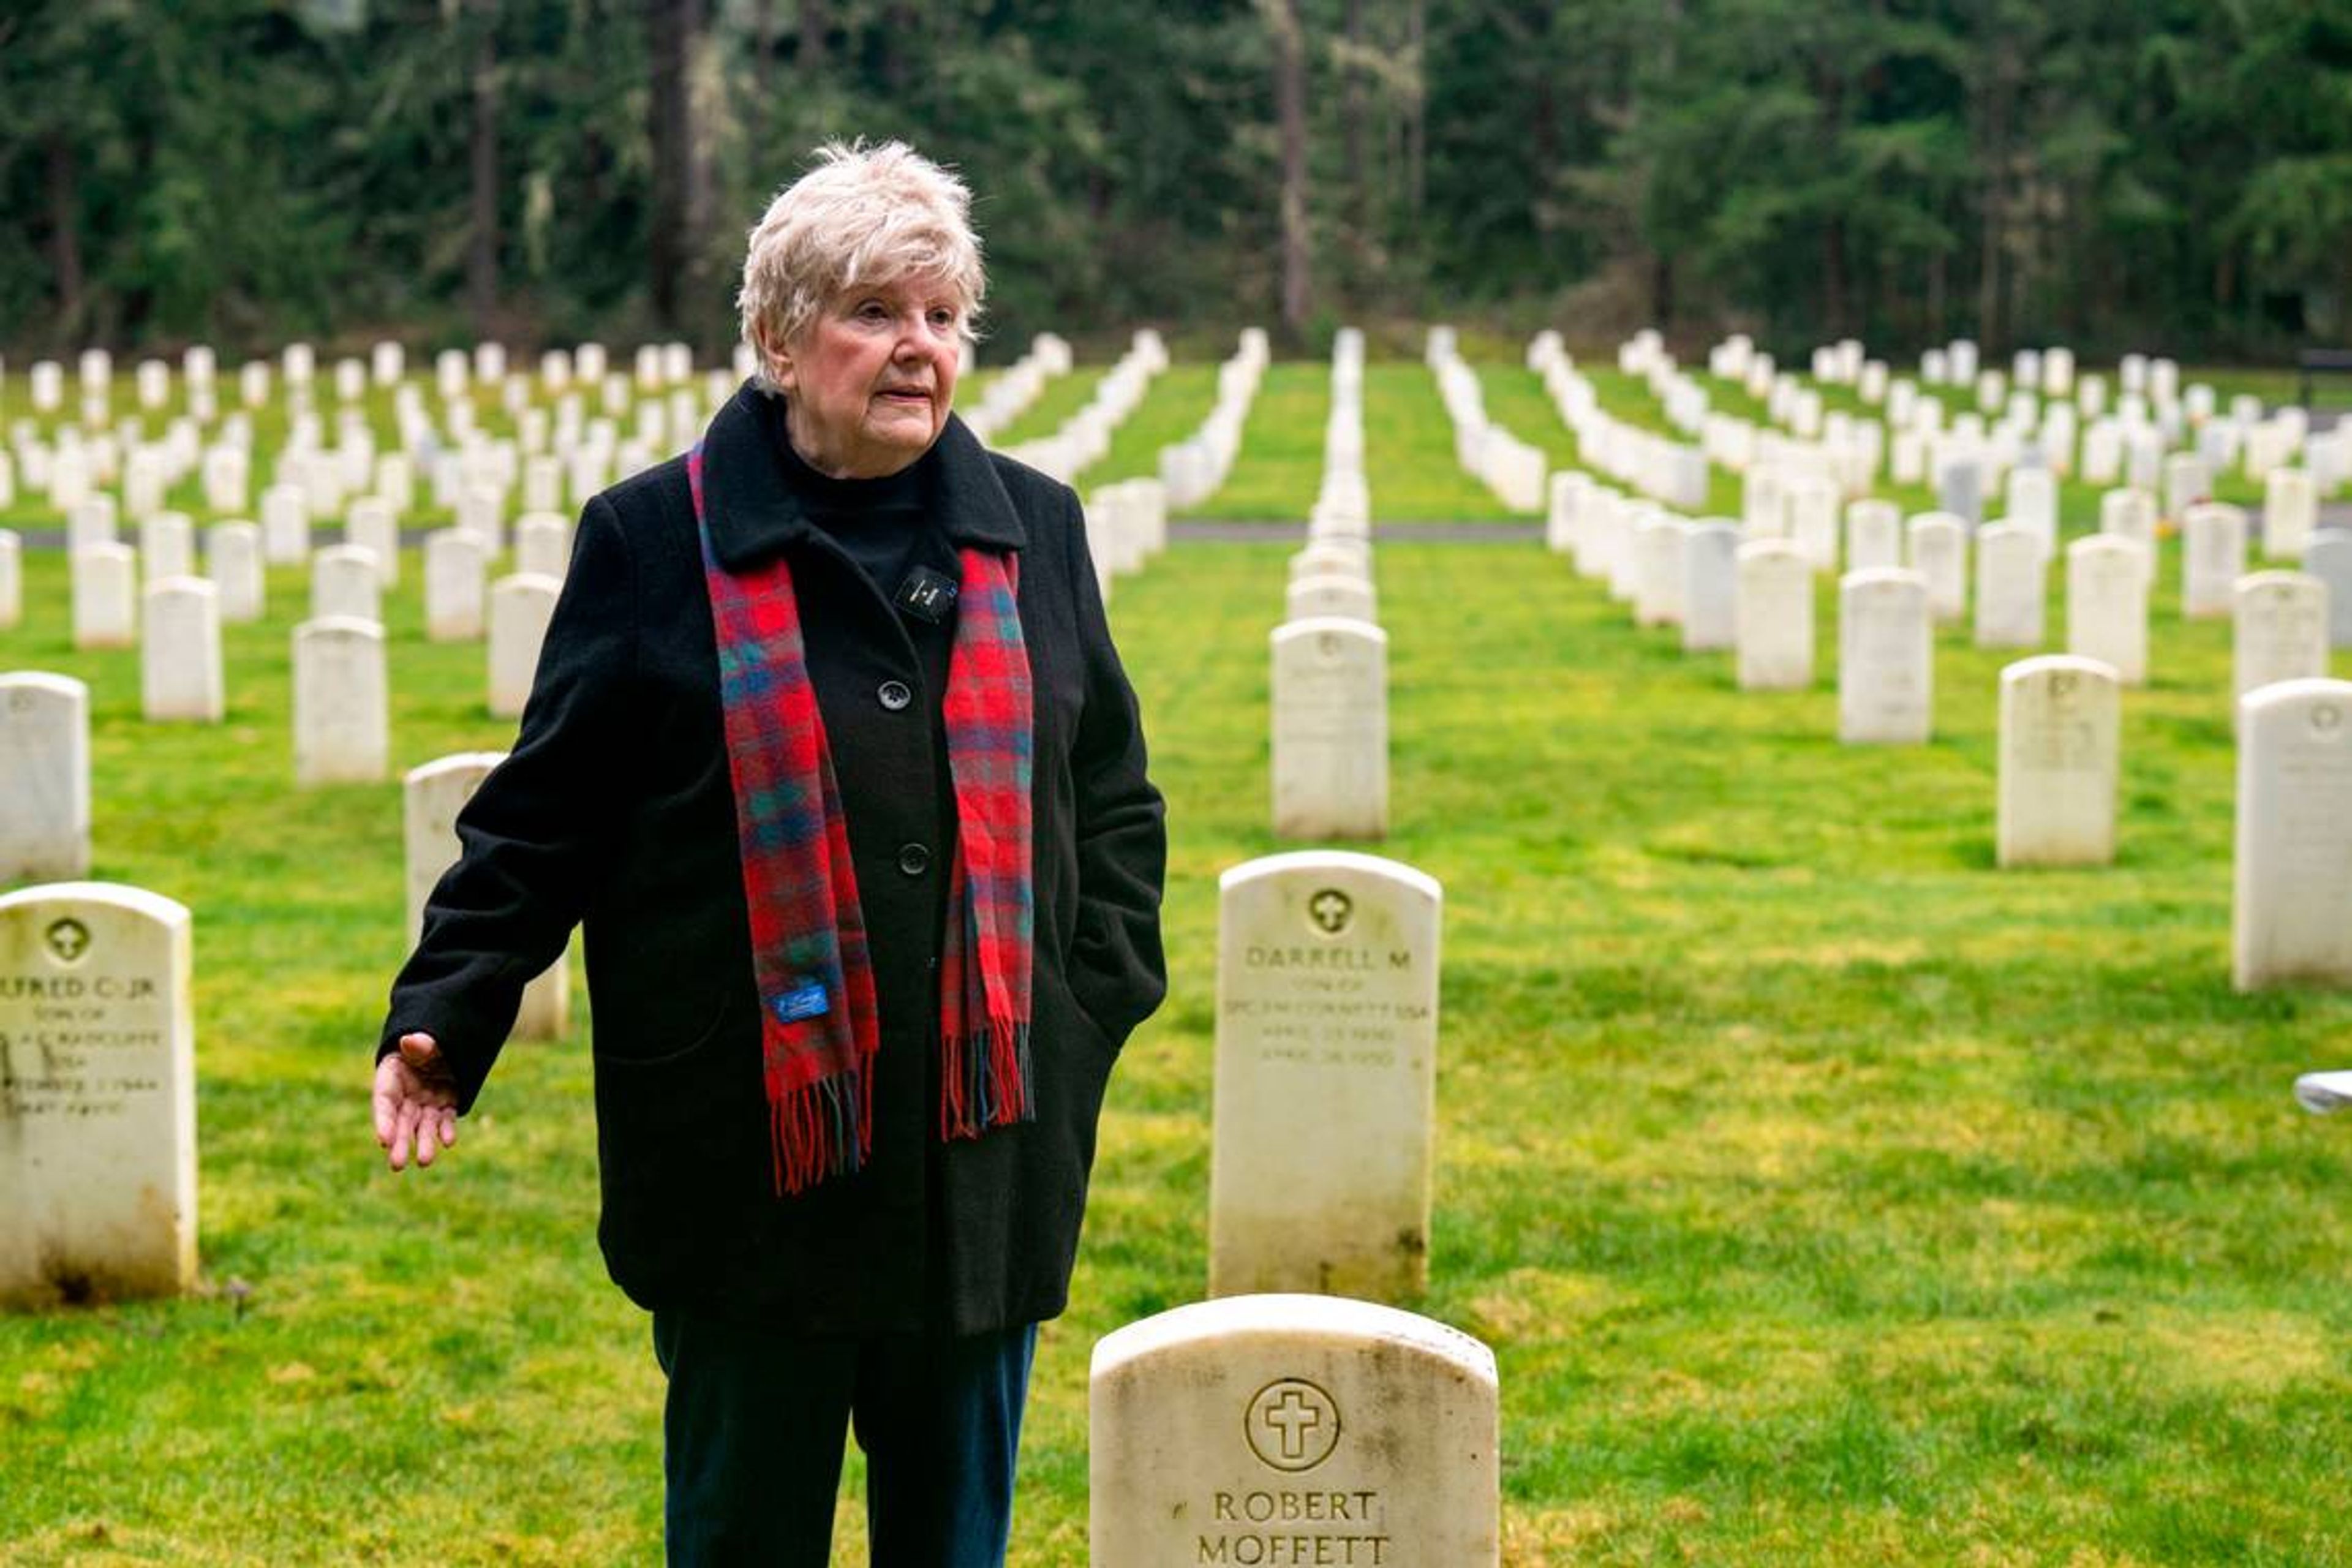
[{"x": 861, "y": 216}]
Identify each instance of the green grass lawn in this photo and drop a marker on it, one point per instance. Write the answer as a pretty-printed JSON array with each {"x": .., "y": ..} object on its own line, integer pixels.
[{"x": 1828, "y": 1195}]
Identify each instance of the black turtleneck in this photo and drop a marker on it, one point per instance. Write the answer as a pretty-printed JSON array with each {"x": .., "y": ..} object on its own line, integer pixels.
[{"x": 878, "y": 522}]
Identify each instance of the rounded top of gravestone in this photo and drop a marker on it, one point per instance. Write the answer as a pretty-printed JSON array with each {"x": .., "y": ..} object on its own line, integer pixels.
[
  {"x": 121, "y": 896},
  {"x": 1329, "y": 862},
  {"x": 2319, "y": 693},
  {"x": 1866, "y": 578},
  {"x": 339, "y": 626},
  {"x": 2106, "y": 544},
  {"x": 455, "y": 762},
  {"x": 528, "y": 582},
  {"x": 2048, "y": 664},
  {"x": 1775, "y": 548},
  {"x": 1347, "y": 627},
  {"x": 2280, "y": 578},
  {"x": 28, "y": 681},
  {"x": 1318, "y": 1320}
]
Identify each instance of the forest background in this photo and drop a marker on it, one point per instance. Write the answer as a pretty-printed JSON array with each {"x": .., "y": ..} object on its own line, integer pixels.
[{"x": 2166, "y": 175}]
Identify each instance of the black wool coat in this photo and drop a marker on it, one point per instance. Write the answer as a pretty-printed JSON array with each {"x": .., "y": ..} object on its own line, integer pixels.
[{"x": 616, "y": 810}]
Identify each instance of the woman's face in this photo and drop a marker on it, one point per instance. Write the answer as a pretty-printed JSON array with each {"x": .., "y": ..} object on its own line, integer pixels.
[{"x": 868, "y": 383}]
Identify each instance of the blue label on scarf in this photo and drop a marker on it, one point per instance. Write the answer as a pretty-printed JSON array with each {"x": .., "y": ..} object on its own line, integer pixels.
[{"x": 802, "y": 1001}]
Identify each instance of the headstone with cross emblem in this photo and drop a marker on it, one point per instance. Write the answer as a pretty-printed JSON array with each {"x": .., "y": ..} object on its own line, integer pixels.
[
  {"x": 1326, "y": 1077},
  {"x": 2061, "y": 720},
  {"x": 2293, "y": 902},
  {"x": 97, "y": 1109},
  {"x": 1330, "y": 741},
  {"x": 431, "y": 797},
  {"x": 45, "y": 758},
  {"x": 1293, "y": 1429}
]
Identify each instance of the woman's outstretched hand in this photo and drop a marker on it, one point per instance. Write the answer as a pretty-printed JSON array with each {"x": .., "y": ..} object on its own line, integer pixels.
[{"x": 416, "y": 1103}]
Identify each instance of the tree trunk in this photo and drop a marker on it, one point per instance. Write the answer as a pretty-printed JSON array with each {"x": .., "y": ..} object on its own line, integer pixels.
[
  {"x": 1290, "y": 109},
  {"x": 482, "y": 241},
  {"x": 1351, "y": 123},
  {"x": 764, "y": 72},
  {"x": 672, "y": 27},
  {"x": 1993, "y": 159},
  {"x": 1416, "y": 125},
  {"x": 814, "y": 23},
  {"x": 65, "y": 234}
]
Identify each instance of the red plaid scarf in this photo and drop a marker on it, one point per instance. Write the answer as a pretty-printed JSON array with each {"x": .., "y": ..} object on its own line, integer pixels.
[{"x": 809, "y": 951}]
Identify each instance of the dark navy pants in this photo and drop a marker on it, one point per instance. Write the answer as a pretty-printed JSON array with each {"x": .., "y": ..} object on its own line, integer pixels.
[{"x": 753, "y": 1429}]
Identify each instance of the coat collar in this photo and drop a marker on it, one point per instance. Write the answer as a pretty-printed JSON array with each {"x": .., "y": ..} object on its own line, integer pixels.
[{"x": 752, "y": 512}]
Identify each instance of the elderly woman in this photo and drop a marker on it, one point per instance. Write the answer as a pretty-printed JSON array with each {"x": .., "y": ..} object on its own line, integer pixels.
[{"x": 831, "y": 756}]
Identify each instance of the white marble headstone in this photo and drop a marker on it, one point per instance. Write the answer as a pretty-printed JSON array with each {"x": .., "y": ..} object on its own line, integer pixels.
[
  {"x": 342, "y": 702},
  {"x": 1343, "y": 594},
  {"x": 2061, "y": 727},
  {"x": 232, "y": 551},
  {"x": 180, "y": 653},
  {"x": 1775, "y": 616},
  {"x": 2011, "y": 563},
  {"x": 1293, "y": 1429},
  {"x": 1326, "y": 996},
  {"x": 345, "y": 581},
  {"x": 456, "y": 577},
  {"x": 1885, "y": 658},
  {"x": 2293, "y": 921},
  {"x": 12, "y": 580},
  {"x": 1330, "y": 729},
  {"x": 2281, "y": 629},
  {"x": 371, "y": 525},
  {"x": 2106, "y": 603},
  {"x": 544, "y": 546},
  {"x": 1938, "y": 546},
  {"x": 98, "y": 1096},
  {"x": 2290, "y": 513},
  {"x": 2330, "y": 558},
  {"x": 1710, "y": 595},
  {"x": 2212, "y": 559},
  {"x": 1874, "y": 534},
  {"x": 44, "y": 757},
  {"x": 521, "y": 607},
  {"x": 105, "y": 596},
  {"x": 431, "y": 797},
  {"x": 167, "y": 546}
]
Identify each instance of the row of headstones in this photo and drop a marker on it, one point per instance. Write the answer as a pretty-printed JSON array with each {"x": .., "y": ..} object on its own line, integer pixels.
[
  {"x": 1010, "y": 394},
  {"x": 341, "y": 719},
  {"x": 1667, "y": 470},
  {"x": 176, "y": 623},
  {"x": 462, "y": 465},
  {"x": 1328, "y": 716},
  {"x": 1194, "y": 468},
  {"x": 2060, "y": 715},
  {"x": 1971, "y": 460},
  {"x": 656, "y": 364},
  {"x": 1085, "y": 436},
  {"x": 1262, "y": 1428},
  {"x": 2154, "y": 410},
  {"x": 1679, "y": 572},
  {"x": 1488, "y": 453}
]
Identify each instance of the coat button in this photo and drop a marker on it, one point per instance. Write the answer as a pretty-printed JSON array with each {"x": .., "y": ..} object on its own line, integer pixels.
[
  {"x": 914, "y": 860},
  {"x": 894, "y": 695}
]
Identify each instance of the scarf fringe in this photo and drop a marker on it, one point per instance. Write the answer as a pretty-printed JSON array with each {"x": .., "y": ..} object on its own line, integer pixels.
[
  {"x": 820, "y": 1129},
  {"x": 984, "y": 1080}
]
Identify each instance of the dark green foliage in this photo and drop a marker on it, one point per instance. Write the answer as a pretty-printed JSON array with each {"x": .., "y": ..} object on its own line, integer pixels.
[{"x": 2175, "y": 175}]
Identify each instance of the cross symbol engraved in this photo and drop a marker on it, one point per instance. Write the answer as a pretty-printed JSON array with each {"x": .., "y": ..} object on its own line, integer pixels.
[
  {"x": 1296, "y": 1418},
  {"x": 1292, "y": 1424}
]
